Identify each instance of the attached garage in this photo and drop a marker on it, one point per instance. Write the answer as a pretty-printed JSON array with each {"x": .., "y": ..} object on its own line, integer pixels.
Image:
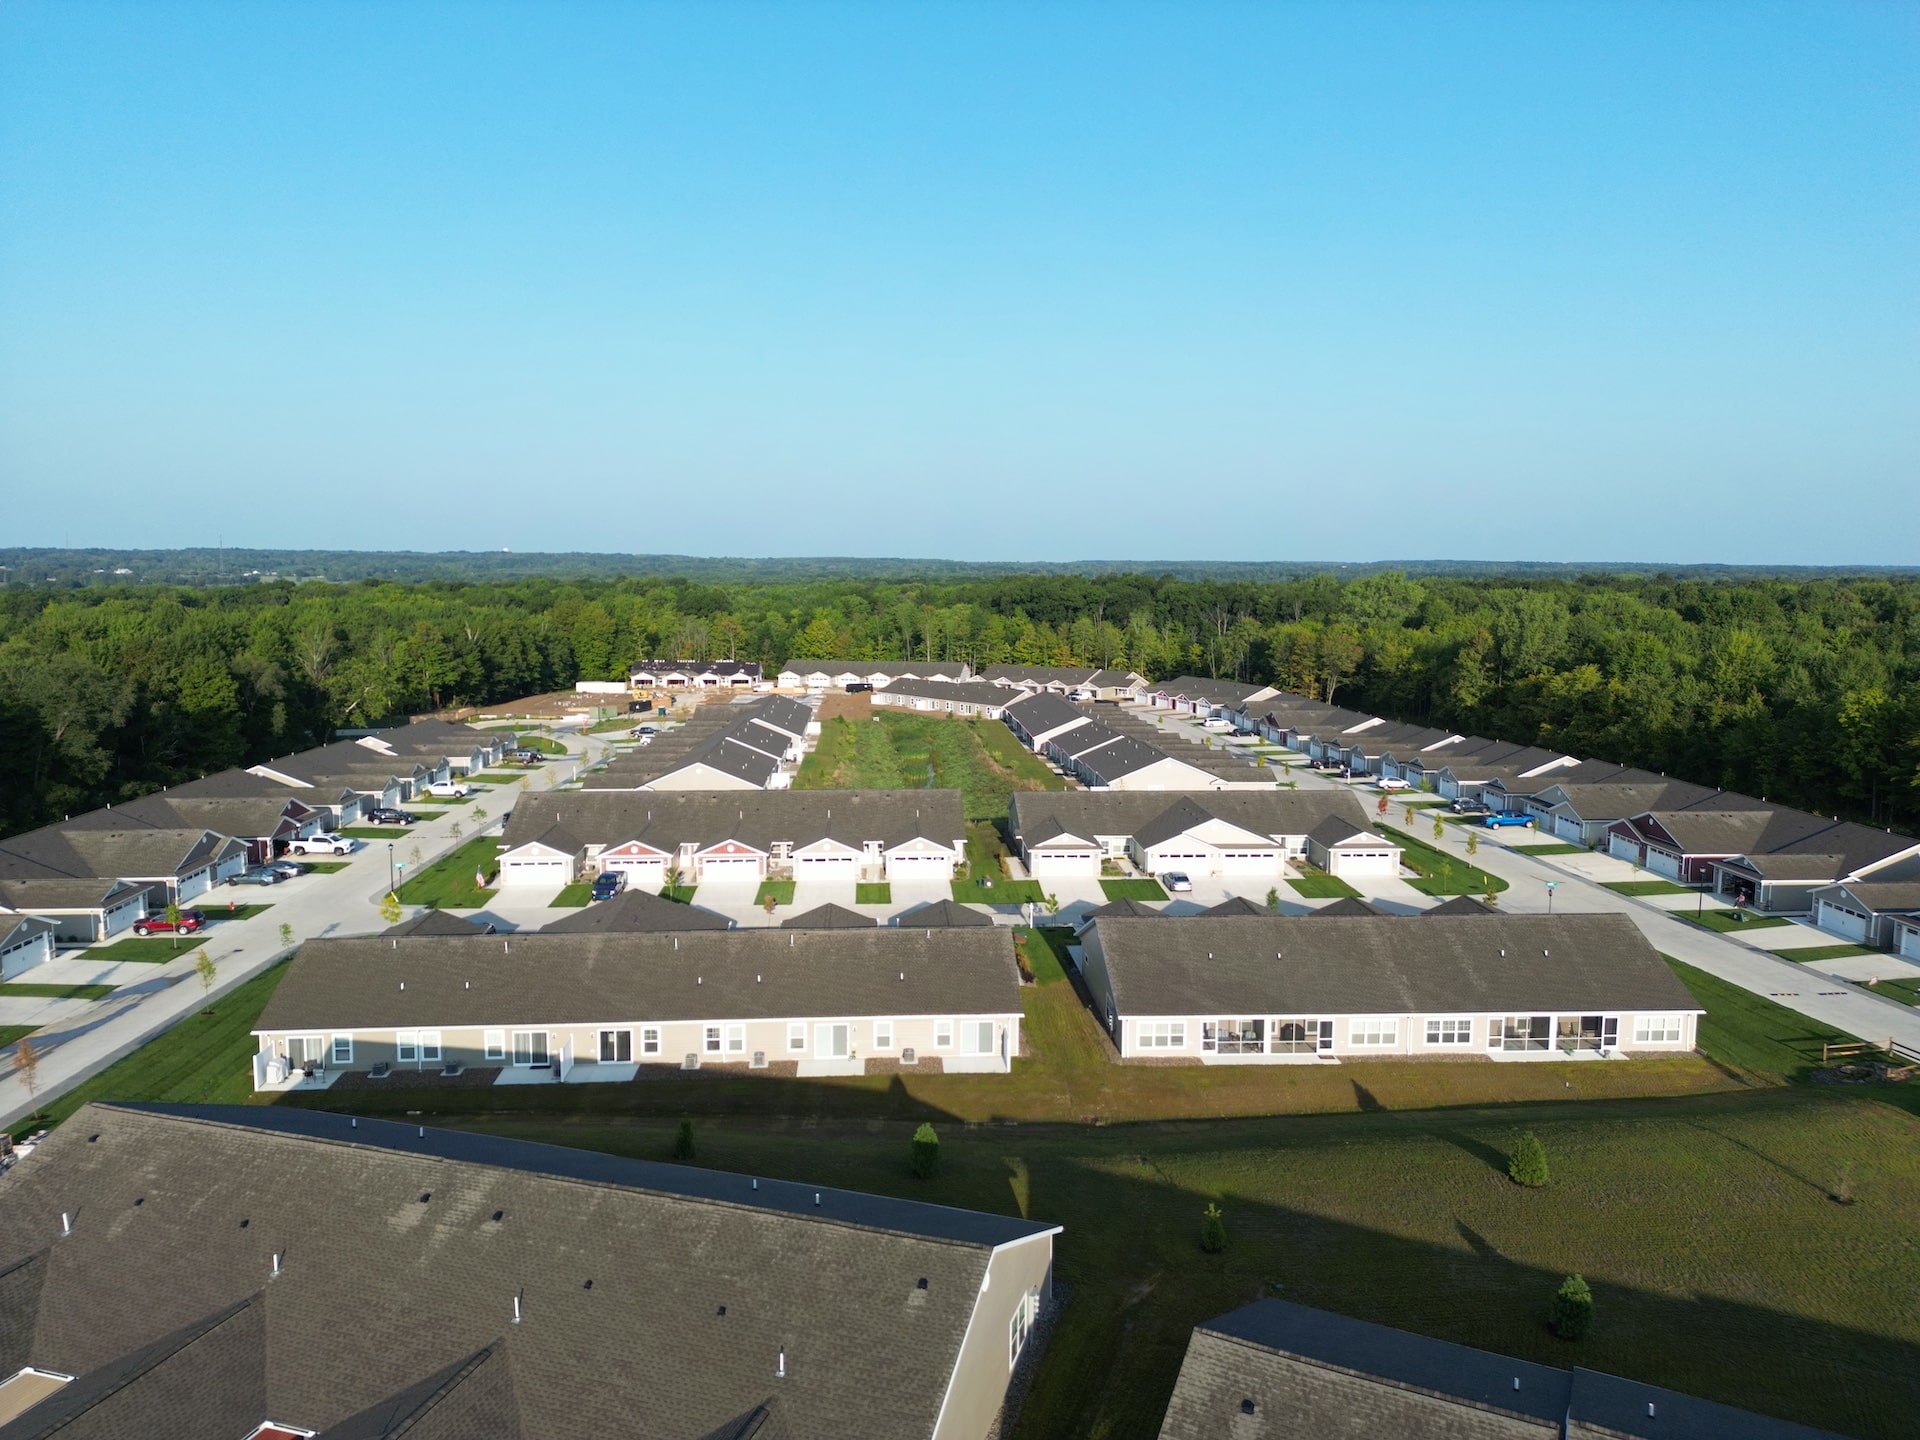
[
  {"x": 830, "y": 865},
  {"x": 1353, "y": 860},
  {"x": 1063, "y": 864},
  {"x": 1663, "y": 863},
  {"x": 1621, "y": 848},
  {"x": 1188, "y": 860},
  {"x": 1908, "y": 935},
  {"x": 909, "y": 865},
  {"x": 1568, "y": 828},
  {"x": 1251, "y": 862},
  {"x": 719, "y": 869},
  {"x": 536, "y": 867},
  {"x": 1841, "y": 919}
]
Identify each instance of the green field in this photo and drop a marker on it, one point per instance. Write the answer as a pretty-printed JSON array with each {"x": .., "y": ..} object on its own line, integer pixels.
[
  {"x": 148, "y": 950},
  {"x": 903, "y": 750},
  {"x": 576, "y": 894},
  {"x": 986, "y": 855},
  {"x": 1316, "y": 886},
  {"x": 551, "y": 747},
  {"x": 1751, "y": 1032},
  {"x": 55, "y": 992},
  {"x": 1824, "y": 952},
  {"x": 1646, "y": 887},
  {"x": 1907, "y": 992},
  {"x": 447, "y": 884},
  {"x": 1132, "y": 890},
  {"x": 779, "y": 891},
  {"x": 873, "y": 893},
  {"x": 1440, "y": 873},
  {"x": 1723, "y": 921},
  {"x": 11, "y": 1035}
]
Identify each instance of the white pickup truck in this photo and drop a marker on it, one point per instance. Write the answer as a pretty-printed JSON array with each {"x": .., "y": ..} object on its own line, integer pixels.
[
  {"x": 321, "y": 842},
  {"x": 449, "y": 790}
]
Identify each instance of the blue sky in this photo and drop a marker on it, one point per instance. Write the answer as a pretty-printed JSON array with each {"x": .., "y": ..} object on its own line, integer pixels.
[{"x": 985, "y": 281}]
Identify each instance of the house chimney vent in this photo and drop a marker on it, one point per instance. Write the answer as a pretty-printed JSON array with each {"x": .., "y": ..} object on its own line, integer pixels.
[
  {"x": 816, "y": 1199},
  {"x": 516, "y": 1320},
  {"x": 66, "y": 1223},
  {"x": 276, "y": 1265},
  {"x": 780, "y": 1370},
  {"x": 403, "y": 984},
  {"x": 1516, "y": 1382}
]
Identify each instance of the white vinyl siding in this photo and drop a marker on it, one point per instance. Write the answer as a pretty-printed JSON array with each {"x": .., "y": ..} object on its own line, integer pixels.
[
  {"x": 1162, "y": 1035},
  {"x": 1658, "y": 1029},
  {"x": 1373, "y": 1034}
]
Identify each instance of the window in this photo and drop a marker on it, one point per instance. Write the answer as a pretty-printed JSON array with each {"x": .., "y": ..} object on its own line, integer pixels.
[
  {"x": 530, "y": 1047},
  {"x": 1525, "y": 1032},
  {"x": 1163, "y": 1035},
  {"x": 616, "y": 1047},
  {"x": 343, "y": 1049},
  {"x": 797, "y": 1035},
  {"x": 1296, "y": 1037},
  {"x": 430, "y": 1046},
  {"x": 1234, "y": 1037},
  {"x": 1020, "y": 1327},
  {"x": 1373, "y": 1032},
  {"x": 1657, "y": 1029},
  {"x": 710, "y": 1040},
  {"x": 1449, "y": 1032},
  {"x": 736, "y": 1039},
  {"x": 409, "y": 1046},
  {"x": 650, "y": 1040},
  {"x": 943, "y": 1034},
  {"x": 496, "y": 1044},
  {"x": 976, "y": 1037},
  {"x": 883, "y": 1034}
]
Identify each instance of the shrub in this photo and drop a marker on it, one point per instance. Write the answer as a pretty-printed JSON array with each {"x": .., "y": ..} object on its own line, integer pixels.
[
  {"x": 1213, "y": 1231},
  {"x": 1572, "y": 1314},
  {"x": 1528, "y": 1163},
  {"x": 926, "y": 1152},
  {"x": 683, "y": 1141}
]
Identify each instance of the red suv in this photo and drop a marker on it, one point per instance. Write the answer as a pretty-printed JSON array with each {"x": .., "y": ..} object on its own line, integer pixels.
[{"x": 190, "y": 921}]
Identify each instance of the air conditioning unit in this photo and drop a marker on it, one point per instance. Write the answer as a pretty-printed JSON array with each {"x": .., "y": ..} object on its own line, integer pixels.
[
  {"x": 907, "y": 1057},
  {"x": 759, "y": 1061},
  {"x": 692, "y": 1062}
]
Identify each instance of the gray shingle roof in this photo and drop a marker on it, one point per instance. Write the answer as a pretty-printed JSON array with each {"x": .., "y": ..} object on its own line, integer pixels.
[
  {"x": 943, "y": 913},
  {"x": 1387, "y": 965},
  {"x": 667, "y": 819},
  {"x": 439, "y": 922},
  {"x": 1151, "y": 816},
  {"x": 829, "y": 917},
  {"x": 1041, "y": 712},
  {"x": 539, "y": 978},
  {"x": 655, "y": 1299},
  {"x": 636, "y": 912},
  {"x": 1345, "y": 905},
  {"x": 56, "y": 853},
  {"x": 1236, "y": 905}
]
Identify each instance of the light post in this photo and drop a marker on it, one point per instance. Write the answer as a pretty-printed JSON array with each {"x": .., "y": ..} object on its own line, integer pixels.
[
  {"x": 390, "y": 867},
  {"x": 1552, "y": 885}
]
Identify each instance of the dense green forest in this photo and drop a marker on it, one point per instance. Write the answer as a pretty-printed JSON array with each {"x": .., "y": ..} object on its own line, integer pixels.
[{"x": 1804, "y": 690}]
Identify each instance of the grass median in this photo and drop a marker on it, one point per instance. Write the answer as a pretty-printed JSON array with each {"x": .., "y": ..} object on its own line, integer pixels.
[
  {"x": 448, "y": 883},
  {"x": 1440, "y": 873}
]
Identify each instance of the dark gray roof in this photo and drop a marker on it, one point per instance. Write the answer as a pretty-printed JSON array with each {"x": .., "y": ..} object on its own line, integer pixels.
[
  {"x": 654, "y": 1299},
  {"x": 1313, "y": 1372},
  {"x": 1236, "y": 905},
  {"x": 440, "y": 922},
  {"x": 1199, "y": 687},
  {"x": 1044, "y": 711},
  {"x": 667, "y": 819},
  {"x": 539, "y": 978},
  {"x": 1835, "y": 850},
  {"x": 1724, "y": 827},
  {"x": 1126, "y": 910},
  {"x": 1386, "y": 965},
  {"x": 923, "y": 668},
  {"x": 967, "y": 692},
  {"x": 1459, "y": 905},
  {"x": 1151, "y": 816},
  {"x": 1345, "y": 905},
  {"x": 90, "y": 893},
  {"x": 243, "y": 816},
  {"x": 943, "y": 913},
  {"x": 1881, "y": 896},
  {"x": 17, "y": 929},
  {"x": 829, "y": 917},
  {"x": 635, "y": 912},
  {"x": 57, "y": 853},
  {"x": 1336, "y": 828},
  {"x": 1041, "y": 674}
]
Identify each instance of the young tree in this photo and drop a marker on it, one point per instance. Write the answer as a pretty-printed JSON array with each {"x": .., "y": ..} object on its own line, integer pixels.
[
  {"x": 286, "y": 930},
  {"x": 207, "y": 971},
  {"x": 1491, "y": 897},
  {"x": 1473, "y": 842},
  {"x": 1528, "y": 1162},
  {"x": 683, "y": 1141},
  {"x": 1380, "y": 807},
  {"x": 1406, "y": 814},
  {"x": 1571, "y": 1316},
  {"x": 454, "y": 830},
  {"x": 1439, "y": 828},
  {"x": 1273, "y": 900},
  {"x": 1213, "y": 1231},
  {"x": 925, "y": 1152},
  {"x": 26, "y": 1064},
  {"x": 173, "y": 921},
  {"x": 389, "y": 908}
]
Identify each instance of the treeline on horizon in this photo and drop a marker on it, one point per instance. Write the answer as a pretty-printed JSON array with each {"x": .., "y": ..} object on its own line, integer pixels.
[{"x": 1806, "y": 690}]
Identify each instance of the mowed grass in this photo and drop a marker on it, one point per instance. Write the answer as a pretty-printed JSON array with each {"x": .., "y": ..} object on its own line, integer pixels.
[
  {"x": 576, "y": 894},
  {"x": 11, "y": 1035},
  {"x": 1824, "y": 952},
  {"x": 447, "y": 884},
  {"x": 150, "y": 950},
  {"x": 55, "y": 992},
  {"x": 1751, "y": 1032},
  {"x": 1723, "y": 921},
  {"x": 235, "y": 911},
  {"x": 778, "y": 891},
  {"x": 1644, "y": 887},
  {"x": 1907, "y": 992},
  {"x": 1316, "y": 886},
  {"x": 1548, "y": 849},
  {"x": 906, "y": 750},
  {"x": 1132, "y": 890},
  {"x": 873, "y": 892},
  {"x": 206, "y": 1059},
  {"x": 1440, "y": 873}
]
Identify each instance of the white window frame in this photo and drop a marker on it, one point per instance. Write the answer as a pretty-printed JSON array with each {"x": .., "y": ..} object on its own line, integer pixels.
[
  {"x": 973, "y": 1032},
  {"x": 710, "y": 1040},
  {"x": 1026, "y": 1312},
  {"x": 883, "y": 1034},
  {"x": 736, "y": 1039},
  {"x": 430, "y": 1049},
  {"x": 342, "y": 1051},
  {"x": 1448, "y": 1031},
  {"x": 1368, "y": 1034},
  {"x": 1161, "y": 1034},
  {"x": 546, "y": 1044},
  {"x": 649, "y": 1039},
  {"x": 1660, "y": 1029},
  {"x": 406, "y": 1047},
  {"x": 600, "y": 1045},
  {"x": 796, "y": 1036},
  {"x": 943, "y": 1034},
  {"x": 495, "y": 1043}
]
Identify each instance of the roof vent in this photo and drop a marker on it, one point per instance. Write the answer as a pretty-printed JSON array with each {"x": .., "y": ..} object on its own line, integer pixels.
[
  {"x": 1247, "y": 1407},
  {"x": 1649, "y": 1407},
  {"x": 403, "y": 984},
  {"x": 425, "y": 1196},
  {"x": 139, "y": 1200},
  {"x": 245, "y": 1223},
  {"x": 587, "y": 1286},
  {"x": 66, "y": 1223},
  {"x": 699, "y": 979},
  {"x": 516, "y": 1320},
  {"x": 1516, "y": 1382},
  {"x": 722, "y": 1310},
  {"x": 1547, "y": 953},
  {"x": 1503, "y": 954},
  {"x": 276, "y": 1265},
  {"x": 923, "y": 1283},
  {"x": 816, "y": 1199},
  {"x": 780, "y": 1370},
  {"x": 396, "y": 944},
  {"x": 498, "y": 1215},
  {"x": 469, "y": 984}
]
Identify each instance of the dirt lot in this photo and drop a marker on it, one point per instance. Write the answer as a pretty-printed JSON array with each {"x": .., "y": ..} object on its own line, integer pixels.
[{"x": 847, "y": 707}]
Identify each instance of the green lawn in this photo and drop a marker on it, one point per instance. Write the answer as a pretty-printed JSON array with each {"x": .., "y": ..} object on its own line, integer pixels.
[
  {"x": 578, "y": 893},
  {"x": 1645, "y": 887},
  {"x": 1752, "y": 1032},
  {"x": 552, "y": 747},
  {"x": 873, "y": 893},
  {"x": 11, "y": 1035},
  {"x": 447, "y": 884},
  {"x": 1907, "y": 992},
  {"x": 1133, "y": 890},
  {"x": 779, "y": 891},
  {"x": 1548, "y": 849},
  {"x": 986, "y": 852},
  {"x": 206, "y": 1059},
  {"x": 217, "y": 913},
  {"x": 325, "y": 867},
  {"x": 1316, "y": 886},
  {"x": 1723, "y": 921},
  {"x": 906, "y": 750},
  {"x": 680, "y": 894},
  {"x": 149, "y": 950},
  {"x": 55, "y": 992},
  {"x": 1824, "y": 952},
  {"x": 1439, "y": 872}
]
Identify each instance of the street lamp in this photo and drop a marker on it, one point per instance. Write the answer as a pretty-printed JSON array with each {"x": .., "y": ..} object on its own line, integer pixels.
[
  {"x": 1552, "y": 885},
  {"x": 390, "y": 867}
]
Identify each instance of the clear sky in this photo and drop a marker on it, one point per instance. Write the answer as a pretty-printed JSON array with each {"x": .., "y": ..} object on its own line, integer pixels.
[{"x": 1546, "y": 280}]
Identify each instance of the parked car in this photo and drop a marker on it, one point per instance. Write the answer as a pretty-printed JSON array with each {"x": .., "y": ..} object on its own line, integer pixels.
[
  {"x": 190, "y": 921},
  {"x": 256, "y": 875},
  {"x": 858, "y": 687},
  {"x": 647, "y": 730},
  {"x": 1467, "y": 805},
  {"x": 449, "y": 789},
  {"x": 321, "y": 842},
  {"x": 1390, "y": 782},
  {"x": 1499, "y": 822},
  {"x": 525, "y": 756},
  {"x": 287, "y": 870},
  {"x": 608, "y": 883},
  {"x": 1176, "y": 882},
  {"x": 384, "y": 816}
]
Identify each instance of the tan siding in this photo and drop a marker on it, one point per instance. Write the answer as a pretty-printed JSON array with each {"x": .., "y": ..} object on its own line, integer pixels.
[{"x": 981, "y": 1373}]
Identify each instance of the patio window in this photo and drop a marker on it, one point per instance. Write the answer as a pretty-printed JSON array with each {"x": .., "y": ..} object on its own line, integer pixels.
[
  {"x": 343, "y": 1049},
  {"x": 1525, "y": 1032},
  {"x": 1658, "y": 1029},
  {"x": 883, "y": 1034},
  {"x": 1449, "y": 1032},
  {"x": 1163, "y": 1035},
  {"x": 1298, "y": 1037},
  {"x": 710, "y": 1040},
  {"x": 1234, "y": 1037},
  {"x": 496, "y": 1044},
  {"x": 650, "y": 1040},
  {"x": 797, "y": 1035},
  {"x": 616, "y": 1047},
  {"x": 1373, "y": 1033},
  {"x": 976, "y": 1037},
  {"x": 530, "y": 1047}
]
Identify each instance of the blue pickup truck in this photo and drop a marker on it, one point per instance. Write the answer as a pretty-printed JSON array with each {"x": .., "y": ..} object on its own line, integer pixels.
[{"x": 1494, "y": 822}]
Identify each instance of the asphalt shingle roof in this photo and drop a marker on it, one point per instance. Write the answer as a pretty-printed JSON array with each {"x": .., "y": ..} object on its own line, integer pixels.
[
  {"x": 636, "y": 912},
  {"x": 667, "y": 819},
  {"x": 829, "y": 917},
  {"x": 1152, "y": 816}
]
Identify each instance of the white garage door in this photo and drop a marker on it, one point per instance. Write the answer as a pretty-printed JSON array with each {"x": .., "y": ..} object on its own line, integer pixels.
[
  {"x": 1248, "y": 863},
  {"x": 638, "y": 871},
  {"x": 1842, "y": 922},
  {"x": 1363, "y": 862},
  {"x": 911, "y": 867},
  {"x": 535, "y": 872},
  {"x": 1566, "y": 828},
  {"x": 1044, "y": 864},
  {"x": 721, "y": 868},
  {"x": 1622, "y": 848},
  {"x": 1661, "y": 863},
  {"x": 819, "y": 866},
  {"x": 1910, "y": 943}
]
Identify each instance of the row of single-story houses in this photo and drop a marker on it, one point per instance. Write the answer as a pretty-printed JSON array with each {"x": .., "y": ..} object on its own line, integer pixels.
[
  {"x": 1106, "y": 748},
  {"x": 711, "y": 837},
  {"x": 748, "y": 745},
  {"x": 98, "y": 874},
  {"x": 1089, "y": 682},
  {"x": 695, "y": 675}
]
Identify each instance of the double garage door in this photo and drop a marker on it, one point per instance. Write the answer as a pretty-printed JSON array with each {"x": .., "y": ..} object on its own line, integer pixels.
[
  {"x": 1065, "y": 864},
  {"x": 648, "y": 874},
  {"x": 1841, "y": 921},
  {"x": 825, "y": 867},
  {"x": 718, "y": 869},
  {"x": 1363, "y": 862},
  {"x": 536, "y": 872},
  {"x": 919, "y": 867}
]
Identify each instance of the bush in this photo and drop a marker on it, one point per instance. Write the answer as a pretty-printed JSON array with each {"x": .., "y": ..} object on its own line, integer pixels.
[
  {"x": 926, "y": 1152},
  {"x": 683, "y": 1141},
  {"x": 1572, "y": 1314},
  {"x": 1213, "y": 1231},
  {"x": 1528, "y": 1163}
]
